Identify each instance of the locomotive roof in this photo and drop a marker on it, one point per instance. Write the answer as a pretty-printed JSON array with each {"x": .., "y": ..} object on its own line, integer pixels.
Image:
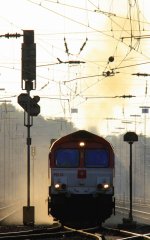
[{"x": 82, "y": 134}]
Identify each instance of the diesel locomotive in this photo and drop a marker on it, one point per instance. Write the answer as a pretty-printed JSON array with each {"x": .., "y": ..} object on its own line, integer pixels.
[{"x": 81, "y": 167}]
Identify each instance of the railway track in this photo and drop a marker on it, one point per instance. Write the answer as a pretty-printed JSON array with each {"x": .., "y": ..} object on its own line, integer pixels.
[
  {"x": 57, "y": 232},
  {"x": 124, "y": 234},
  {"x": 60, "y": 232},
  {"x": 137, "y": 214},
  {"x": 8, "y": 210}
]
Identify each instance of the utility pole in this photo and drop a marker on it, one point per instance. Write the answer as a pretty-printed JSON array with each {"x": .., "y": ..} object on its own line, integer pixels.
[{"x": 145, "y": 111}]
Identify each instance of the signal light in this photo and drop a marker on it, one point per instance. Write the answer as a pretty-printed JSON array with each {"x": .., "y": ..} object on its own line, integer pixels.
[
  {"x": 28, "y": 56},
  {"x": 29, "y": 104},
  {"x": 28, "y": 62}
]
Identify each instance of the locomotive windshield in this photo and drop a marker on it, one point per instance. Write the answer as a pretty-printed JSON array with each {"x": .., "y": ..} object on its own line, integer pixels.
[
  {"x": 67, "y": 158},
  {"x": 96, "y": 158}
]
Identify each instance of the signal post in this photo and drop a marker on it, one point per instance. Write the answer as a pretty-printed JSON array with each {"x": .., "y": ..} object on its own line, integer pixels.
[
  {"x": 30, "y": 106},
  {"x": 130, "y": 137}
]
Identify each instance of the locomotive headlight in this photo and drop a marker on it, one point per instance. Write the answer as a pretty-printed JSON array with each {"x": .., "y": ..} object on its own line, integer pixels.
[
  {"x": 103, "y": 186},
  {"x": 81, "y": 144},
  {"x": 60, "y": 186},
  {"x": 57, "y": 186},
  {"x": 106, "y": 185}
]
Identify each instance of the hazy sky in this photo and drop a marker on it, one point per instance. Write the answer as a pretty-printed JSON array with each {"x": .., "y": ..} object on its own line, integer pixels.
[{"x": 110, "y": 38}]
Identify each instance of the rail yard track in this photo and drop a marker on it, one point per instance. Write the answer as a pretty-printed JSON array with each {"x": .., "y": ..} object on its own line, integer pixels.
[
  {"x": 9, "y": 210},
  {"x": 141, "y": 213},
  {"x": 57, "y": 231}
]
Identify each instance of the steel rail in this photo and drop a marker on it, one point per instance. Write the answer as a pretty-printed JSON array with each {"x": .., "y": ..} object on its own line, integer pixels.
[
  {"x": 83, "y": 232},
  {"x": 133, "y": 235}
]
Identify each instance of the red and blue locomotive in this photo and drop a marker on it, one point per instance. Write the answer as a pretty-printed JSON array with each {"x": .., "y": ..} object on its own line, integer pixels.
[{"x": 82, "y": 173}]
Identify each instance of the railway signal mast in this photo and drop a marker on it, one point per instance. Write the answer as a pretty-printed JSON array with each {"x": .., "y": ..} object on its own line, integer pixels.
[
  {"x": 130, "y": 137},
  {"x": 30, "y": 106}
]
